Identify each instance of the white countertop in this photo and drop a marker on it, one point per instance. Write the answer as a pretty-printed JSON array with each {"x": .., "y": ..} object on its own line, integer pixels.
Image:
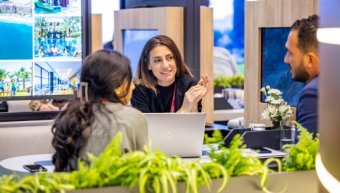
[{"x": 225, "y": 115}]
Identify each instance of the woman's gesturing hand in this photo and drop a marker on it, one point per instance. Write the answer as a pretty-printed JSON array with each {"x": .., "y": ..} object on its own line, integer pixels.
[{"x": 194, "y": 95}]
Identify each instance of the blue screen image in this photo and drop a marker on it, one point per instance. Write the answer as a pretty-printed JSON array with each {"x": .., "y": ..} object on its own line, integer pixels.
[
  {"x": 41, "y": 48},
  {"x": 16, "y": 40},
  {"x": 133, "y": 43},
  {"x": 275, "y": 72}
]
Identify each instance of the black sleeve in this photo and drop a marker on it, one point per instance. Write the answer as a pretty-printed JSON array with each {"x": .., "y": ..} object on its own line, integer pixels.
[
  {"x": 140, "y": 99},
  {"x": 185, "y": 83},
  {"x": 199, "y": 106}
]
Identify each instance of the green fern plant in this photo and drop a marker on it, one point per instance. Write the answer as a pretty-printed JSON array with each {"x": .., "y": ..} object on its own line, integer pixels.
[
  {"x": 301, "y": 156},
  {"x": 216, "y": 137},
  {"x": 237, "y": 164}
]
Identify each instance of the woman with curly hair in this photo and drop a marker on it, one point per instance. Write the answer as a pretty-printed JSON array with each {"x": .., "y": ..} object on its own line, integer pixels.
[{"x": 90, "y": 121}]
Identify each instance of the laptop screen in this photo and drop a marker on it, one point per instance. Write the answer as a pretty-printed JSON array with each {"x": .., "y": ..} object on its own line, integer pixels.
[{"x": 177, "y": 134}]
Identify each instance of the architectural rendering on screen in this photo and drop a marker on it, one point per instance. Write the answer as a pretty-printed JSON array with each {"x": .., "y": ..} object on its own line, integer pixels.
[
  {"x": 16, "y": 30},
  {"x": 15, "y": 78},
  {"x": 56, "y": 77},
  {"x": 57, "y": 37},
  {"x": 41, "y": 48},
  {"x": 59, "y": 7}
]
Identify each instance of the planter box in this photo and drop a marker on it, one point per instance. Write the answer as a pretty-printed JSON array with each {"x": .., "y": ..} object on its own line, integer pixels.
[{"x": 305, "y": 181}]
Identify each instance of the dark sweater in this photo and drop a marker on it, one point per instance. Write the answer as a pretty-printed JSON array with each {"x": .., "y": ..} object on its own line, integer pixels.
[{"x": 145, "y": 99}]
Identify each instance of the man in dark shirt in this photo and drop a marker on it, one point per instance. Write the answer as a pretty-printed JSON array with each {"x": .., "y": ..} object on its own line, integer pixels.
[{"x": 302, "y": 57}]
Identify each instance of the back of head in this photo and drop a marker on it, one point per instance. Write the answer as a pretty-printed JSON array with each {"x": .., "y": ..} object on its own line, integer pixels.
[
  {"x": 307, "y": 28},
  {"x": 104, "y": 71},
  {"x": 144, "y": 75}
]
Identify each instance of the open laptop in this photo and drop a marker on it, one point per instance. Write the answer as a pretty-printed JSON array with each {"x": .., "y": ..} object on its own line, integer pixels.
[{"x": 177, "y": 134}]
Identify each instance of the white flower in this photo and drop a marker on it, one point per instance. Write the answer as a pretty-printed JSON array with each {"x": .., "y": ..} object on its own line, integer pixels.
[
  {"x": 274, "y": 92},
  {"x": 265, "y": 115},
  {"x": 269, "y": 99},
  {"x": 277, "y": 109},
  {"x": 277, "y": 101}
]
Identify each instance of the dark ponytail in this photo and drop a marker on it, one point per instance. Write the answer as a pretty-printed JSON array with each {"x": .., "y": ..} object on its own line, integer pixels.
[{"x": 69, "y": 134}]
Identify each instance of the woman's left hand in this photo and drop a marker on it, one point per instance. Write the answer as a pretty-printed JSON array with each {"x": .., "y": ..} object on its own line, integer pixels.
[
  {"x": 195, "y": 94},
  {"x": 204, "y": 81}
]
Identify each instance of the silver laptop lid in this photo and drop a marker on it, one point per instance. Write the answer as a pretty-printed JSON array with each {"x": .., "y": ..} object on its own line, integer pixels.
[{"x": 177, "y": 134}]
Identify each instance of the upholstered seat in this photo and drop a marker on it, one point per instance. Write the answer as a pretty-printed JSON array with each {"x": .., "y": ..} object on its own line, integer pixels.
[{"x": 25, "y": 138}]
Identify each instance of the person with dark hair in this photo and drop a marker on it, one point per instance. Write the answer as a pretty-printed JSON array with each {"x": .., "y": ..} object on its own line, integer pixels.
[
  {"x": 3, "y": 106},
  {"x": 303, "y": 59},
  {"x": 89, "y": 122},
  {"x": 164, "y": 82},
  {"x": 108, "y": 45}
]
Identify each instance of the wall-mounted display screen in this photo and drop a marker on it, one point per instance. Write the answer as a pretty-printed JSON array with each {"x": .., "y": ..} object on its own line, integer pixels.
[
  {"x": 133, "y": 43},
  {"x": 41, "y": 48},
  {"x": 274, "y": 72}
]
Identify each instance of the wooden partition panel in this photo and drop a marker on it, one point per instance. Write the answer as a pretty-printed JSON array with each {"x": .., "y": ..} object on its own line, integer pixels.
[
  {"x": 96, "y": 32},
  {"x": 266, "y": 13},
  {"x": 206, "y": 57},
  {"x": 167, "y": 20}
]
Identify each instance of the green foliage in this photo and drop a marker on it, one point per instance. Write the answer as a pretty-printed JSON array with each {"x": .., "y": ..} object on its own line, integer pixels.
[
  {"x": 301, "y": 156},
  {"x": 143, "y": 169},
  {"x": 3, "y": 73},
  {"x": 216, "y": 137},
  {"x": 148, "y": 171},
  {"x": 75, "y": 34},
  {"x": 42, "y": 182},
  {"x": 236, "y": 81},
  {"x": 41, "y": 27},
  {"x": 236, "y": 164}
]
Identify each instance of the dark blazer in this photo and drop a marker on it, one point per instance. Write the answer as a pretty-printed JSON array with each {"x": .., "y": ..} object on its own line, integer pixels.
[
  {"x": 147, "y": 101},
  {"x": 307, "y": 107}
]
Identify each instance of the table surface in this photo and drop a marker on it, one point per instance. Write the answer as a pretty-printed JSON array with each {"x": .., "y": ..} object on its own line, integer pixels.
[{"x": 17, "y": 163}]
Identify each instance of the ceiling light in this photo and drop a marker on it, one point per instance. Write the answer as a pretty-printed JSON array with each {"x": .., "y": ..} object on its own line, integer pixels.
[{"x": 329, "y": 35}]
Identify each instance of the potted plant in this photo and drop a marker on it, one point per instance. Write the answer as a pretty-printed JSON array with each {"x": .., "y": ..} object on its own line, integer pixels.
[{"x": 277, "y": 110}]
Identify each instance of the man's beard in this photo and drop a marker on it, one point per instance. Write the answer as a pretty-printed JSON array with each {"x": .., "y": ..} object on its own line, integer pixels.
[{"x": 301, "y": 74}]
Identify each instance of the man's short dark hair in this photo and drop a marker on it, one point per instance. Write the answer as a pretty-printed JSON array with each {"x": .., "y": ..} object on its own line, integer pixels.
[{"x": 306, "y": 29}]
